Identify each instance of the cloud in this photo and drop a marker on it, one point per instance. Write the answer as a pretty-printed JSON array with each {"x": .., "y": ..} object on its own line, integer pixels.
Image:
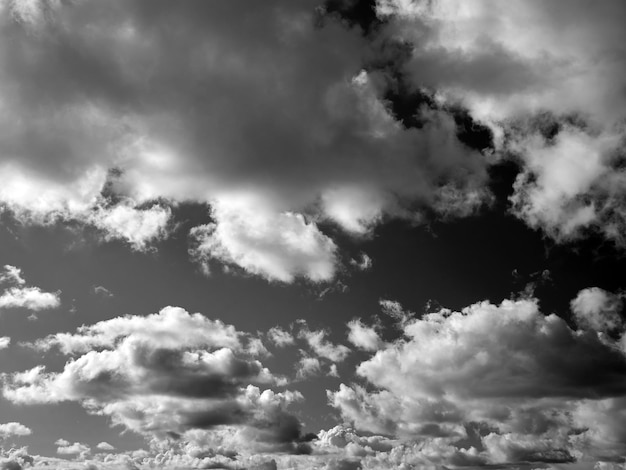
[
  {"x": 102, "y": 292},
  {"x": 65, "y": 448},
  {"x": 364, "y": 262},
  {"x": 14, "y": 429},
  {"x": 12, "y": 275},
  {"x": 598, "y": 309},
  {"x": 138, "y": 227},
  {"x": 31, "y": 298},
  {"x": 322, "y": 347},
  {"x": 22, "y": 296},
  {"x": 163, "y": 374},
  {"x": 282, "y": 116},
  {"x": 105, "y": 446},
  {"x": 4, "y": 342},
  {"x": 280, "y": 337},
  {"x": 547, "y": 80},
  {"x": 537, "y": 389},
  {"x": 307, "y": 366},
  {"x": 277, "y": 247},
  {"x": 363, "y": 336}
]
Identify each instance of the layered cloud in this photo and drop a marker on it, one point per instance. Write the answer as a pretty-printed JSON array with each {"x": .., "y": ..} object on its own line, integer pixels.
[
  {"x": 515, "y": 383},
  {"x": 18, "y": 295},
  {"x": 547, "y": 78},
  {"x": 164, "y": 375}
]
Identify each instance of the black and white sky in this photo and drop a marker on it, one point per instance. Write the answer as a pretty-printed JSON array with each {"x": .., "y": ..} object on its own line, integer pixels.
[{"x": 312, "y": 234}]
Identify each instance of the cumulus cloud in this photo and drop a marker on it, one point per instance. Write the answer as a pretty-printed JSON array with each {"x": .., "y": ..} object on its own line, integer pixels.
[
  {"x": 31, "y": 298},
  {"x": 22, "y": 296},
  {"x": 280, "y": 337},
  {"x": 14, "y": 429},
  {"x": 307, "y": 366},
  {"x": 165, "y": 373},
  {"x": 105, "y": 446},
  {"x": 77, "y": 448},
  {"x": 533, "y": 388},
  {"x": 278, "y": 247},
  {"x": 598, "y": 309},
  {"x": 363, "y": 336},
  {"x": 4, "y": 342},
  {"x": 283, "y": 116},
  {"x": 138, "y": 227},
  {"x": 547, "y": 80}
]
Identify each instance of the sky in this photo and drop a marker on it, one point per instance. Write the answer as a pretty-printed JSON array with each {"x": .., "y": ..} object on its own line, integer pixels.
[{"x": 308, "y": 234}]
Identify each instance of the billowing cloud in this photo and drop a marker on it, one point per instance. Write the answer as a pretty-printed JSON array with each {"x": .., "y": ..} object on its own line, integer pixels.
[
  {"x": 105, "y": 446},
  {"x": 547, "y": 80},
  {"x": 280, "y": 337},
  {"x": 282, "y": 116},
  {"x": 138, "y": 227},
  {"x": 22, "y": 296},
  {"x": 4, "y": 342},
  {"x": 165, "y": 374},
  {"x": 598, "y": 309},
  {"x": 323, "y": 348},
  {"x": 77, "y": 448},
  {"x": 530, "y": 387},
  {"x": 31, "y": 298},
  {"x": 363, "y": 336},
  {"x": 278, "y": 247},
  {"x": 14, "y": 429},
  {"x": 12, "y": 275}
]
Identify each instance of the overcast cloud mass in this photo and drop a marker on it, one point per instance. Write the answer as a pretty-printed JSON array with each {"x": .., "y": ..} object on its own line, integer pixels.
[{"x": 312, "y": 234}]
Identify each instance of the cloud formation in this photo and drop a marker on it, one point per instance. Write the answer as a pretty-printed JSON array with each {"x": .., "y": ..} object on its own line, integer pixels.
[
  {"x": 164, "y": 375},
  {"x": 22, "y": 296},
  {"x": 528, "y": 386},
  {"x": 266, "y": 126},
  {"x": 14, "y": 429},
  {"x": 548, "y": 81}
]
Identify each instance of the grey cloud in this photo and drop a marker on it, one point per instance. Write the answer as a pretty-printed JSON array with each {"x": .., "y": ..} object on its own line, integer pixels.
[
  {"x": 515, "y": 62},
  {"x": 277, "y": 113}
]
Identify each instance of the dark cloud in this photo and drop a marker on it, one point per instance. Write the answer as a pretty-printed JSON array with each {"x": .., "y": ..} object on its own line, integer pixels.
[{"x": 108, "y": 114}]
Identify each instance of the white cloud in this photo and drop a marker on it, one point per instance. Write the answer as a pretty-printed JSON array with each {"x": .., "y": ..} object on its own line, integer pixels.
[
  {"x": 363, "y": 336},
  {"x": 169, "y": 372},
  {"x": 31, "y": 298},
  {"x": 280, "y": 337},
  {"x": 14, "y": 429},
  {"x": 307, "y": 367},
  {"x": 12, "y": 275},
  {"x": 597, "y": 309},
  {"x": 4, "y": 342},
  {"x": 73, "y": 449},
  {"x": 527, "y": 377},
  {"x": 138, "y": 227},
  {"x": 105, "y": 446},
  {"x": 363, "y": 263},
  {"x": 278, "y": 247},
  {"x": 516, "y": 65},
  {"x": 22, "y": 296},
  {"x": 172, "y": 327},
  {"x": 322, "y": 347}
]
